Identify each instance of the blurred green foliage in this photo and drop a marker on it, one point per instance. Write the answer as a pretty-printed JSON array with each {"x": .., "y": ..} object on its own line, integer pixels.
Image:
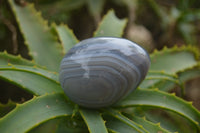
[
  {"x": 152, "y": 23},
  {"x": 165, "y": 23}
]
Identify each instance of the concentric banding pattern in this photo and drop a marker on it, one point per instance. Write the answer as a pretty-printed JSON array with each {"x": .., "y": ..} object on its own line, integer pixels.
[{"x": 97, "y": 72}]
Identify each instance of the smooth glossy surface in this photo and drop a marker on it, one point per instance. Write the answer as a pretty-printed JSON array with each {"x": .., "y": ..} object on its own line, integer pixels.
[{"x": 97, "y": 72}]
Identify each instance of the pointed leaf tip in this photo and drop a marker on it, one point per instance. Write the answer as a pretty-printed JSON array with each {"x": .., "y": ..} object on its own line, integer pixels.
[
  {"x": 43, "y": 47},
  {"x": 107, "y": 26}
]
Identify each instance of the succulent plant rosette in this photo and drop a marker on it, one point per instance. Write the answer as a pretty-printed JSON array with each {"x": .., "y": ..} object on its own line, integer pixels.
[{"x": 98, "y": 85}]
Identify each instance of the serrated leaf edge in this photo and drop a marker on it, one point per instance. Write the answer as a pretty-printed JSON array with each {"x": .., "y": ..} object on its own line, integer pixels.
[
  {"x": 109, "y": 11},
  {"x": 189, "y": 104},
  {"x": 34, "y": 70}
]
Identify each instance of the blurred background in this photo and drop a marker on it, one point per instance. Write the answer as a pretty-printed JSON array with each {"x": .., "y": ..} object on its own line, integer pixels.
[{"x": 153, "y": 24}]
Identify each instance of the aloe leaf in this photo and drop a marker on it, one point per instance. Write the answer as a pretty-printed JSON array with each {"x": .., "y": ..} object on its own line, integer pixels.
[
  {"x": 5, "y": 108},
  {"x": 34, "y": 112},
  {"x": 137, "y": 127},
  {"x": 151, "y": 127},
  {"x": 42, "y": 45},
  {"x": 174, "y": 60},
  {"x": 46, "y": 127},
  {"x": 170, "y": 61},
  {"x": 67, "y": 37},
  {"x": 35, "y": 80},
  {"x": 189, "y": 74},
  {"x": 183, "y": 76},
  {"x": 150, "y": 83},
  {"x": 110, "y": 26},
  {"x": 93, "y": 120},
  {"x": 165, "y": 84},
  {"x": 161, "y": 74},
  {"x": 159, "y": 99},
  {"x": 161, "y": 120},
  {"x": 113, "y": 131},
  {"x": 6, "y": 58},
  {"x": 63, "y": 124},
  {"x": 73, "y": 125},
  {"x": 32, "y": 69},
  {"x": 170, "y": 121},
  {"x": 155, "y": 116},
  {"x": 116, "y": 126},
  {"x": 155, "y": 78},
  {"x": 183, "y": 125}
]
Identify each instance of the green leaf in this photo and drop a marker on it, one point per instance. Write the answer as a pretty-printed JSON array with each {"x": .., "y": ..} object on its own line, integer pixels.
[
  {"x": 62, "y": 124},
  {"x": 34, "y": 112},
  {"x": 35, "y": 80},
  {"x": 5, "y": 108},
  {"x": 137, "y": 127},
  {"x": 170, "y": 62},
  {"x": 110, "y": 26},
  {"x": 116, "y": 126},
  {"x": 67, "y": 37},
  {"x": 166, "y": 85},
  {"x": 189, "y": 74},
  {"x": 73, "y": 125},
  {"x": 6, "y": 58},
  {"x": 159, "y": 99},
  {"x": 161, "y": 75},
  {"x": 162, "y": 120},
  {"x": 46, "y": 127},
  {"x": 154, "y": 76},
  {"x": 93, "y": 120},
  {"x": 42, "y": 45},
  {"x": 173, "y": 123},
  {"x": 42, "y": 72},
  {"x": 173, "y": 60},
  {"x": 149, "y": 126}
]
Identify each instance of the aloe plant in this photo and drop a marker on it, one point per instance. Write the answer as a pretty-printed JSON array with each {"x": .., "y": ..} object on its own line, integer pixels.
[{"x": 50, "y": 110}]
